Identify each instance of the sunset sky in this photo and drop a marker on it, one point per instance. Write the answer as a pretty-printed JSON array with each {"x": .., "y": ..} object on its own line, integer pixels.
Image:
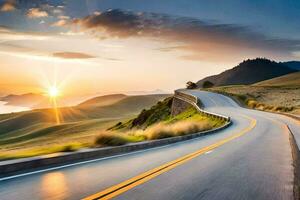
[{"x": 107, "y": 46}]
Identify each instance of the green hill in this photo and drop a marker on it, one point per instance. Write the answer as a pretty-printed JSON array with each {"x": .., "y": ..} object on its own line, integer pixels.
[
  {"x": 158, "y": 112},
  {"x": 37, "y": 128},
  {"x": 103, "y": 100}
]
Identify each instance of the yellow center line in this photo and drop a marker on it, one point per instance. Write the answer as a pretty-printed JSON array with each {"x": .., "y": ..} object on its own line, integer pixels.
[{"x": 146, "y": 176}]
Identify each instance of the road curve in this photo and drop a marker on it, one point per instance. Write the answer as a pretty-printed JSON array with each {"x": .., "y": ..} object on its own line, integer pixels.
[{"x": 256, "y": 165}]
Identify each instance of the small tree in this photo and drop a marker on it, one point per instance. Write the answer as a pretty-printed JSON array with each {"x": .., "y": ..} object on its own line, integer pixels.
[
  {"x": 191, "y": 85},
  {"x": 207, "y": 84}
]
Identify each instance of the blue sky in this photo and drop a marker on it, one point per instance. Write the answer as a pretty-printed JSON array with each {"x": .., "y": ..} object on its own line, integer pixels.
[{"x": 279, "y": 18}]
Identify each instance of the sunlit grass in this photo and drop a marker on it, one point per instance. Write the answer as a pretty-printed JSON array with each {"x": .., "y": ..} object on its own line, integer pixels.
[{"x": 44, "y": 150}]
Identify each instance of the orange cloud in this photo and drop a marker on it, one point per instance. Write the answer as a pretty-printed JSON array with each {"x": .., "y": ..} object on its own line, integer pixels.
[
  {"x": 36, "y": 13},
  {"x": 60, "y": 23},
  {"x": 8, "y": 6},
  {"x": 72, "y": 55},
  {"x": 63, "y": 17}
]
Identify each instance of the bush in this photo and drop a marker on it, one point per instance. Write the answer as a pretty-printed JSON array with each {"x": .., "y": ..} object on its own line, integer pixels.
[
  {"x": 110, "y": 139},
  {"x": 207, "y": 84},
  {"x": 191, "y": 85},
  {"x": 71, "y": 147},
  {"x": 252, "y": 104},
  {"x": 68, "y": 148}
]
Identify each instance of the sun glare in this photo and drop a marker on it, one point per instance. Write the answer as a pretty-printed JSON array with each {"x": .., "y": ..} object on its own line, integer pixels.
[{"x": 53, "y": 91}]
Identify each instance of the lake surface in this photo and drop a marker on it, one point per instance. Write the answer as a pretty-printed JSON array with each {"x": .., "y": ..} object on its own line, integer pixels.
[{"x": 9, "y": 109}]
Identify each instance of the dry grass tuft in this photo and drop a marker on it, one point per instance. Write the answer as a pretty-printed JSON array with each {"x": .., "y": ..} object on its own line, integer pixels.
[
  {"x": 110, "y": 139},
  {"x": 162, "y": 130},
  {"x": 157, "y": 131}
]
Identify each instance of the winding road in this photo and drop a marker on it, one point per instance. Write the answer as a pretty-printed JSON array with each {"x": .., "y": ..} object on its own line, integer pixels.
[{"x": 251, "y": 159}]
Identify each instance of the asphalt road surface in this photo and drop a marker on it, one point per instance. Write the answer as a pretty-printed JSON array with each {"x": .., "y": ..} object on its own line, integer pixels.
[{"x": 256, "y": 163}]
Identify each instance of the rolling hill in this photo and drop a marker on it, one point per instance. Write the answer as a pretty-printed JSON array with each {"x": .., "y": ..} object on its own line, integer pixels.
[
  {"x": 249, "y": 72},
  {"x": 289, "y": 80},
  {"x": 80, "y": 123},
  {"x": 26, "y": 100},
  {"x": 280, "y": 94},
  {"x": 293, "y": 64},
  {"x": 103, "y": 100}
]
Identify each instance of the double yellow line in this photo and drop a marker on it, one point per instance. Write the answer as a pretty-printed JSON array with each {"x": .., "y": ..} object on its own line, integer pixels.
[{"x": 146, "y": 176}]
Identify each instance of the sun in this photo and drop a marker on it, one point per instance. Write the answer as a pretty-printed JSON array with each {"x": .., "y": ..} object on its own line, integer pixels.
[{"x": 53, "y": 91}]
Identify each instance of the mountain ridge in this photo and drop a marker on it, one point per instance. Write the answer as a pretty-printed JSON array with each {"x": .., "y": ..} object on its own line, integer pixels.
[{"x": 249, "y": 72}]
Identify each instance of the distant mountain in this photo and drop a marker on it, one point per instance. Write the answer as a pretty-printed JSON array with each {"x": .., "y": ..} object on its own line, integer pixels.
[
  {"x": 249, "y": 72},
  {"x": 26, "y": 100},
  {"x": 157, "y": 91},
  {"x": 103, "y": 100},
  {"x": 289, "y": 80},
  {"x": 292, "y": 64}
]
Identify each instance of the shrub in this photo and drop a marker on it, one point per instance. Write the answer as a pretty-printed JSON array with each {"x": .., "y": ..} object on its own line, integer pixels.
[
  {"x": 68, "y": 148},
  {"x": 252, "y": 103},
  {"x": 191, "y": 85},
  {"x": 158, "y": 131},
  {"x": 161, "y": 130},
  {"x": 207, "y": 84},
  {"x": 110, "y": 139}
]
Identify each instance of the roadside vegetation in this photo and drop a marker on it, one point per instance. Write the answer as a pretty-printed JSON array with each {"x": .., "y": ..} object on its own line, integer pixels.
[
  {"x": 42, "y": 150},
  {"x": 157, "y": 123}
]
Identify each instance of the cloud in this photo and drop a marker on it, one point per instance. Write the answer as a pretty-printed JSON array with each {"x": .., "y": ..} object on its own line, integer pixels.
[
  {"x": 10, "y": 46},
  {"x": 60, "y": 23},
  {"x": 36, "y": 13},
  {"x": 7, "y": 35},
  {"x": 78, "y": 55},
  {"x": 57, "y": 11},
  {"x": 72, "y": 55},
  {"x": 63, "y": 17},
  {"x": 200, "y": 39},
  {"x": 8, "y": 6}
]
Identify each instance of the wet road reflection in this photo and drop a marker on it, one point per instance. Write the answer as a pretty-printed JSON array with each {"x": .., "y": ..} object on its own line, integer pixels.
[{"x": 54, "y": 186}]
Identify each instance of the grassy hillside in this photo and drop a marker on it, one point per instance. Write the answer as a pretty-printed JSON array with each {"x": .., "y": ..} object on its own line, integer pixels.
[
  {"x": 280, "y": 94},
  {"x": 188, "y": 122},
  {"x": 103, "y": 100},
  {"x": 289, "y": 80},
  {"x": 158, "y": 112},
  {"x": 34, "y": 130},
  {"x": 249, "y": 72},
  {"x": 156, "y": 123}
]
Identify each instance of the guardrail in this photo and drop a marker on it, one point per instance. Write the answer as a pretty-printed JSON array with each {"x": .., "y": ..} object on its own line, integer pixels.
[{"x": 195, "y": 102}]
